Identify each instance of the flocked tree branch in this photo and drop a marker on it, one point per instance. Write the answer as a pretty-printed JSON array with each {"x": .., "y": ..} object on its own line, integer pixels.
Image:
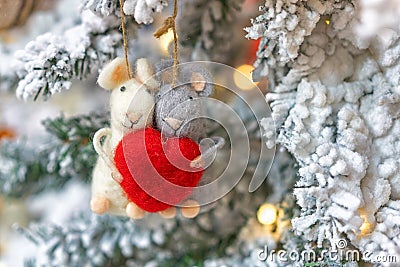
[
  {"x": 116, "y": 241},
  {"x": 335, "y": 103},
  {"x": 63, "y": 15},
  {"x": 142, "y": 10},
  {"x": 205, "y": 27},
  {"x": 48, "y": 64},
  {"x": 8, "y": 78},
  {"x": 67, "y": 154}
]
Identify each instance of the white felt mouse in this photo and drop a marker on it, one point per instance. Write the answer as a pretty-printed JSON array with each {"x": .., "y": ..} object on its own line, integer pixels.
[{"x": 131, "y": 103}]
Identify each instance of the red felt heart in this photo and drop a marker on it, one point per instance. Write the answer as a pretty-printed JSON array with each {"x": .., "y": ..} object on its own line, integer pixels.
[{"x": 152, "y": 169}]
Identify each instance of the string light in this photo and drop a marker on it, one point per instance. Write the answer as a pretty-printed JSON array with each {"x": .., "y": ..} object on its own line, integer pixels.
[
  {"x": 327, "y": 21},
  {"x": 166, "y": 40},
  {"x": 242, "y": 77},
  {"x": 366, "y": 227},
  {"x": 267, "y": 214}
]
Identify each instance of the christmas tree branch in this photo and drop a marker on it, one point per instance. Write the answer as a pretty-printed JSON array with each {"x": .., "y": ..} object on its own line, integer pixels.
[
  {"x": 67, "y": 154},
  {"x": 8, "y": 77},
  {"x": 48, "y": 64},
  {"x": 334, "y": 99},
  {"x": 205, "y": 26},
  {"x": 142, "y": 11},
  {"x": 93, "y": 240}
]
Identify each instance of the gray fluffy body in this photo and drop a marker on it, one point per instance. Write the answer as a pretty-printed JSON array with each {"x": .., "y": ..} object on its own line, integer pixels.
[{"x": 182, "y": 102}]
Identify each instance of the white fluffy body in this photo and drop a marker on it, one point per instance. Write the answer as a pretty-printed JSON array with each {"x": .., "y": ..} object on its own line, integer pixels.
[{"x": 129, "y": 99}]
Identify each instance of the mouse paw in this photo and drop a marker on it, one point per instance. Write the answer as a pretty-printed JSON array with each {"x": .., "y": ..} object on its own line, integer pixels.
[
  {"x": 197, "y": 163},
  {"x": 134, "y": 212},
  {"x": 168, "y": 213},
  {"x": 190, "y": 208},
  {"x": 99, "y": 204},
  {"x": 116, "y": 176}
]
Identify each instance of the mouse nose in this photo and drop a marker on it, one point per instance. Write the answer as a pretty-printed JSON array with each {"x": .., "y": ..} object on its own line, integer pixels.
[
  {"x": 174, "y": 123},
  {"x": 134, "y": 117}
]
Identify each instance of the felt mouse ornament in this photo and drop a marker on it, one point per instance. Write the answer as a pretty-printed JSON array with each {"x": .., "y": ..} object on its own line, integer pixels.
[
  {"x": 178, "y": 116},
  {"x": 131, "y": 105},
  {"x": 179, "y": 110},
  {"x": 133, "y": 155}
]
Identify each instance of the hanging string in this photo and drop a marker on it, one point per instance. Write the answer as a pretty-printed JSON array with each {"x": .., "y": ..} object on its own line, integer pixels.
[
  {"x": 128, "y": 67},
  {"x": 169, "y": 23}
]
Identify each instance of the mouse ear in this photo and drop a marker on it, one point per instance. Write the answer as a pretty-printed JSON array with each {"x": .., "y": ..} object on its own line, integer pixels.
[
  {"x": 164, "y": 71},
  {"x": 113, "y": 74},
  {"x": 144, "y": 73},
  {"x": 200, "y": 80}
]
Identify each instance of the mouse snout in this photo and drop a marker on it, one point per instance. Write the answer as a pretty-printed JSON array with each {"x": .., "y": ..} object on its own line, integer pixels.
[
  {"x": 133, "y": 118},
  {"x": 173, "y": 123}
]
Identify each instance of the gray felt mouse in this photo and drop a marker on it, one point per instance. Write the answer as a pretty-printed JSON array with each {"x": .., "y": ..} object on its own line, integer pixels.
[{"x": 178, "y": 109}]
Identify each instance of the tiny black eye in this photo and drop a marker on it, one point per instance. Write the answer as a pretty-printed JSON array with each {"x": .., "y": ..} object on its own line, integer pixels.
[
  {"x": 122, "y": 89},
  {"x": 191, "y": 97}
]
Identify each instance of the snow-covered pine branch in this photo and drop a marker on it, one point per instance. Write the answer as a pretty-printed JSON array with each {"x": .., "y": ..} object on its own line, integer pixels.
[
  {"x": 282, "y": 28},
  {"x": 92, "y": 240},
  {"x": 384, "y": 241},
  {"x": 66, "y": 154},
  {"x": 62, "y": 16},
  {"x": 142, "y": 10},
  {"x": 8, "y": 77},
  {"x": 335, "y": 104},
  {"x": 206, "y": 27},
  {"x": 48, "y": 64}
]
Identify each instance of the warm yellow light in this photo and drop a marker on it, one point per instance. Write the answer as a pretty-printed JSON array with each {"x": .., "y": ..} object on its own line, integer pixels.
[
  {"x": 327, "y": 22},
  {"x": 366, "y": 227},
  {"x": 242, "y": 77},
  {"x": 267, "y": 214},
  {"x": 165, "y": 41}
]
